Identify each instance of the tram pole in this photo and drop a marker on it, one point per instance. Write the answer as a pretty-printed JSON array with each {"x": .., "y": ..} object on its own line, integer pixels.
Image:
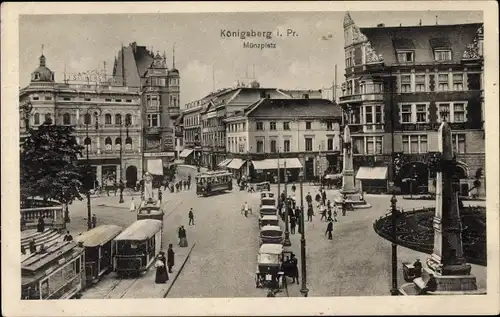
[
  {"x": 279, "y": 177},
  {"x": 97, "y": 113},
  {"x": 303, "y": 290}
]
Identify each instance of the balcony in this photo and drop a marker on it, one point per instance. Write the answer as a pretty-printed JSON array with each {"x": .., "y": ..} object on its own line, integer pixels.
[
  {"x": 174, "y": 111},
  {"x": 350, "y": 99},
  {"x": 152, "y": 131}
]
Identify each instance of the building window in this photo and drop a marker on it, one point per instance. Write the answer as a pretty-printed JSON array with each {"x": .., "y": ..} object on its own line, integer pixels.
[
  {"x": 286, "y": 125},
  {"x": 329, "y": 125},
  {"x": 405, "y": 56},
  {"x": 87, "y": 141},
  {"x": 443, "y": 82},
  {"x": 47, "y": 117},
  {"x": 374, "y": 145},
  {"x": 414, "y": 143},
  {"x": 67, "y": 98},
  {"x": 329, "y": 144},
  {"x": 308, "y": 125},
  {"x": 107, "y": 100},
  {"x": 358, "y": 146},
  {"x": 378, "y": 114},
  {"x": 153, "y": 120},
  {"x": 286, "y": 146},
  {"x": 419, "y": 83},
  {"x": 107, "y": 143},
  {"x": 273, "y": 146},
  {"x": 458, "y": 112},
  {"x": 458, "y": 82},
  {"x": 128, "y": 100},
  {"x": 86, "y": 119},
  {"x": 107, "y": 118},
  {"x": 444, "y": 111},
  {"x": 244, "y": 126},
  {"x": 405, "y": 113},
  {"x": 118, "y": 100},
  {"x": 66, "y": 119},
  {"x": 260, "y": 146},
  {"x": 349, "y": 59},
  {"x": 118, "y": 119},
  {"x": 260, "y": 126},
  {"x": 458, "y": 143},
  {"x": 405, "y": 83},
  {"x": 421, "y": 113},
  {"x": 128, "y": 119},
  {"x": 369, "y": 114},
  {"x": 442, "y": 55},
  {"x": 309, "y": 144},
  {"x": 128, "y": 143},
  {"x": 36, "y": 118},
  {"x": 48, "y": 98},
  {"x": 272, "y": 125}
]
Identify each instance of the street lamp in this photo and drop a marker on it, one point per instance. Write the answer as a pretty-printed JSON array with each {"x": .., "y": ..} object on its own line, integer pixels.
[
  {"x": 303, "y": 290},
  {"x": 394, "y": 257},
  {"x": 97, "y": 113},
  {"x": 279, "y": 177},
  {"x": 127, "y": 124},
  {"x": 286, "y": 241}
]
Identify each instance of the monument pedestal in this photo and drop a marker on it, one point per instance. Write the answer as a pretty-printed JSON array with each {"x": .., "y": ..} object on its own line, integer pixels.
[{"x": 354, "y": 198}]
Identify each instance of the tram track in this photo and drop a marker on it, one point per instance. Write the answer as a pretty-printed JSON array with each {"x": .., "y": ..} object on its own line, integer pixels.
[{"x": 121, "y": 287}]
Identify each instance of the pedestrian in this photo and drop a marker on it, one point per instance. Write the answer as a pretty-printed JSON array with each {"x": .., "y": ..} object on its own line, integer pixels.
[
  {"x": 122, "y": 187},
  {"x": 160, "y": 194},
  {"x": 177, "y": 187},
  {"x": 310, "y": 213},
  {"x": 94, "y": 221},
  {"x": 183, "y": 243},
  {"x": 294, "y": 188},
  {"x": 170, "y": 258},
  {"x": 329, "y": 229},
  {"x": 245, "y": 209},
  {"x": 40, "y": 227},
  {"x": 323, "y": 196},
  {"x": 318, "y": 197},
  {"x": 295, "y": 268},
  {"x": 417, "y": 268},
  {"x": 132, "y": 205},
  {"x": 283, "y": 197},
  {"x": 329, "y": 208},
  {"x": 191, "y": 217},
  {"x": 335, "y": 213},
  {"x": 32, "y": 246},
  {"x": 292, "y": 224},
  {"x": 161, "y": 269},
  {"x": 68, "y": 237},
  {"x": 323, "y": 212},
  {"x": 308, "y": 198}
]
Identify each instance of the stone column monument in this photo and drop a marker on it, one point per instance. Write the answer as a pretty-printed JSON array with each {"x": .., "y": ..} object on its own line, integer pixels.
[
  {"x": 447, "y": 273},
  {"x": 148, "y": 187},
  {"x": 353, "y": 195}
]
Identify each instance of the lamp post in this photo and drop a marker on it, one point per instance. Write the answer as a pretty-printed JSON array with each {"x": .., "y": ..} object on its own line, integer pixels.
[
  {"x": 394, "y": 257},
  {"x": 97, "y": 113},
  {"x": 127, "y": 124},
  {"x": 286, "y": 241},
  {"x": 279, "y": 177},
  {"x": 303, "y": 290}
]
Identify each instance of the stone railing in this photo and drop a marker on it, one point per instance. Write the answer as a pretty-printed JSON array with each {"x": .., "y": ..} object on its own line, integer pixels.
[{"x": 53, "y": 217}]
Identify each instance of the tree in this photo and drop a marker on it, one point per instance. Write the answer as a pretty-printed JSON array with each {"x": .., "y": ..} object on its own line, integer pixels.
[{"x": 49, "y": 167}]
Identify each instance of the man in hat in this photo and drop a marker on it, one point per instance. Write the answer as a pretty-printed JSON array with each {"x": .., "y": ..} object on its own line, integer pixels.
[
  {"x": 417, "y": 268},
  {"x": 329, "y": 230}
]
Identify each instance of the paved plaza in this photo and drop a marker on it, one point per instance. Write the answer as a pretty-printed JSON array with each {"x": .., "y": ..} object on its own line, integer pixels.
[{"x": 357, "y": 262}]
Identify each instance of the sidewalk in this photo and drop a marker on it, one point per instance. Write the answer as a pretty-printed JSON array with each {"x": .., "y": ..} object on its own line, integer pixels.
[{"x": 145, "y": 287}]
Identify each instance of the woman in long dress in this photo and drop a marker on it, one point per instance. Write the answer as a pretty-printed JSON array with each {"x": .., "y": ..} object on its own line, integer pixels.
[
  {"x": 161, "y": 269},
  {"x": 183, "y": 243},
  {"x": 41, "y": 224}
]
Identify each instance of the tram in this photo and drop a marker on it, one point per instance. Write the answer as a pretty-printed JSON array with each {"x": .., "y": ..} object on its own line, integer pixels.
[
  {"x": 137, "y": 247},
  {"x": 150, "y": 210},
  {"x": 215, "y": 182},
  {"x": 54, "y": 273},
  {"x": 99, "y": 250}
]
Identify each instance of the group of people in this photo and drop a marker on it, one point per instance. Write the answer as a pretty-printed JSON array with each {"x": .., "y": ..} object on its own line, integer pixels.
[
  {"x": 164, "y": 265},
  {"x": 177, "y": 186},
  {"x": 290, "y": 268}
]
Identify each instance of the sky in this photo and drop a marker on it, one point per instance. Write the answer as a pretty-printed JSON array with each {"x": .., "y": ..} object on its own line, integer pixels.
[{"x": 304, "y": 60}]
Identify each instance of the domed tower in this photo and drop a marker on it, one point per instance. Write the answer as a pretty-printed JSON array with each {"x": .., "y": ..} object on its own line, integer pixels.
[
  {"x": 42, "y": 73},
  {"x": 174, "y": 89}
]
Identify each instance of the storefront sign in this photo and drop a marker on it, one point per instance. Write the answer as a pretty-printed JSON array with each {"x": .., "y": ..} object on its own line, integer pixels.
[{"x": 159, "y": 154}]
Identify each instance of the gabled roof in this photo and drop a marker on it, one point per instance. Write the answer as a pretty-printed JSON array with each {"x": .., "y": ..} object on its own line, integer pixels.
[
  {"x": 134, "y": 60},
  {"x": 294, "y": 108},
  {"x": 421, "y": 39}
]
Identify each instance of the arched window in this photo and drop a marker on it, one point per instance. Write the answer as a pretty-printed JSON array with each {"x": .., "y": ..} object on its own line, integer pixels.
[
  {"x": 87, "y": 141},
  {"x": 118, "y": 118},
  {"x": 175, "y": 102},
  {"x": 48, "y": 118},
  {"x": 128, "y": 119},
  {"x": 128, "y": 143},
  {"x": 36, "y": 118},
  {"x": 87, "y": 118},
  {"x": 108, "y": 144},
  {"x": 66, "y": 119},
  {"x": 107, "y": 118},
  {"x": 118, "y": 143}
]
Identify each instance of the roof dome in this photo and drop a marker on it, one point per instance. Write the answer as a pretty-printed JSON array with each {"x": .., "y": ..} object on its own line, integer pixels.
[{"x": 42, "y": 73}]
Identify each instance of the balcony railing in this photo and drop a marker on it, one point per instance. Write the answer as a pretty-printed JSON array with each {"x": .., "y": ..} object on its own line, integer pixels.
[
  {"x": 53, "y": 217},
  {"x": 350, "y": 98}
]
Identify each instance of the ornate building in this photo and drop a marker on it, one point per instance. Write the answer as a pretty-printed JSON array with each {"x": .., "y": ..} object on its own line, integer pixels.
[
  {"x": 114, "y": 146},
  {"x": 401, "y": 83},
  {"x": 160, "y": 90}
]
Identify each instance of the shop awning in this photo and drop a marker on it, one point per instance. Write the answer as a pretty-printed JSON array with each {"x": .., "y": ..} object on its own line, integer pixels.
[
  {"x": 269, "y": 164},
  {"x": 235, "y": 164},
  {"x": 224, "y": 163},
  {"x": 185, "y": 153},
  {"x": 365, "y": 172}
]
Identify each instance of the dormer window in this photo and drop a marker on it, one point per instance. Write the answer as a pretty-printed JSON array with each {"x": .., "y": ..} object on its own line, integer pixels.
[
  {"x": 442, "y": 55},
  {"x": 406, "y": 56}
]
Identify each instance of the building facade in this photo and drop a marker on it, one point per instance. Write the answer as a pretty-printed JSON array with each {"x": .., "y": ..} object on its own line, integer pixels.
[
  {"x": 401, "y": 83},
  {"x": 160, "y": 90},
  {"x": 114, "y": 146},
  {"x": 303, "y": 132}
]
